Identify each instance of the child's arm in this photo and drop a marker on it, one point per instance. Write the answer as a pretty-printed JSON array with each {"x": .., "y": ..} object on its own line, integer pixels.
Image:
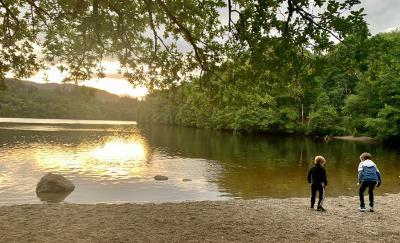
[
  {"x": 378, "y": 174},
  {"x": 360, "y": 169},
  {"x": 309, "y": 176},
  {"x": 325, "y": 179},
  {"x": 379, "y": 178}
]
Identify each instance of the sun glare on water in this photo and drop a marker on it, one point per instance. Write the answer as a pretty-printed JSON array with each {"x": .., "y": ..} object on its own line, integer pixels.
[
  {"x": 113, "y": 159},
  {"x": 119, "y": 150}
]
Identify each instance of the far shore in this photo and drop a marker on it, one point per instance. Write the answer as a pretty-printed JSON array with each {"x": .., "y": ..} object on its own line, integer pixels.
[
  {"x": 353, "y": 138},
  {"x": 266, "y": 220}
]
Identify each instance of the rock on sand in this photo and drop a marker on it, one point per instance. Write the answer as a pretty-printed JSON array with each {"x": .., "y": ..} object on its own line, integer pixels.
[{"x": 52, "y": 183}]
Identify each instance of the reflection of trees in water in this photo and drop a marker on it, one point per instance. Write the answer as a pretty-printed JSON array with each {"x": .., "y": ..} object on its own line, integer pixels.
[
  {"x": 81, "y": 135},
  {"x": 229, "y": 148},
  {"x": 246, "y": 165},
  {"x": 259, "y": 166}
]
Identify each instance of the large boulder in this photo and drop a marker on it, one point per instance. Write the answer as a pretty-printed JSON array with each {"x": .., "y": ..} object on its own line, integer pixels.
[{"x": 52, "y": 183}]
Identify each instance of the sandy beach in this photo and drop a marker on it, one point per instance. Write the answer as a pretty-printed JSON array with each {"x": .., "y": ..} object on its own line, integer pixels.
[{"x": 273, "y": 220}]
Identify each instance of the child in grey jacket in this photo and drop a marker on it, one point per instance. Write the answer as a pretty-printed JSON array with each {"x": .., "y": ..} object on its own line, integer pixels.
[{"x": 368, "y": 177}]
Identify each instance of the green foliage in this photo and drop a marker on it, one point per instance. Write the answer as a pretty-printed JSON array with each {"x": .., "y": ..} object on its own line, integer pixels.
[
  {"x": 144, "y": 36},
  {"x": 386, "y": 125},
  {"x": 372, "y": 109},
  {"x": 323, "y": 118},
  {"x": 324, "y": 121}
]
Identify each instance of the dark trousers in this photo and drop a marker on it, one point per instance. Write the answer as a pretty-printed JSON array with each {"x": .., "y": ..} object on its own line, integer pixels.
[
  {"x": 371, "y": 186},
  {"x": 314, "y": 188}
]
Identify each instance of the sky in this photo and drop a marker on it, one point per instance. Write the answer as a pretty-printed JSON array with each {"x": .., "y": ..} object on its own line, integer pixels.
[{"x": 382, "y": 16}]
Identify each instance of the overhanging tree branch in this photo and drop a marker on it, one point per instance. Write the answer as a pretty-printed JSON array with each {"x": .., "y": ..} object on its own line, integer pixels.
[
  {"x": 151, "y": 22},
  {"x": 305, "y": 15},
  {"x": 10, "y": 12},
  {"x": 188, "y": 36}
]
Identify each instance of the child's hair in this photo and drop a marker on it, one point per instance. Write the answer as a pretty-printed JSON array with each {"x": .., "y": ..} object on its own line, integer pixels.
[
  {"x": 319, "y": 160},
  {"x": 365, "y": 156}
]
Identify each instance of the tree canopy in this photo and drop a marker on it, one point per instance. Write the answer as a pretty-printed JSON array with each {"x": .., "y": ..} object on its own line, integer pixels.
[{"x": 162, "y": 43}]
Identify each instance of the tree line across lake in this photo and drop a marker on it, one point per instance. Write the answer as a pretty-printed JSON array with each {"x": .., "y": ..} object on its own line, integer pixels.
[
  {"x": 354, "y": 89},
  {"x": 32, "y": 100}
]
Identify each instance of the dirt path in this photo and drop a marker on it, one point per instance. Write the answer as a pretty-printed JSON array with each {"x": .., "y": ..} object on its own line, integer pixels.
[{"x": 278, "y": 220}]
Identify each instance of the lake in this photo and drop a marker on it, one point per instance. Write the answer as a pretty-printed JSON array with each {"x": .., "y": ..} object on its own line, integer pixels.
[{"x": 116, "y": 161}]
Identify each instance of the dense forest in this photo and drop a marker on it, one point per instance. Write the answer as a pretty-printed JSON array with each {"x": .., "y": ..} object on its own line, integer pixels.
[
  {"x": 33, "y": 100},
  {"x": 354, "y": 89}
]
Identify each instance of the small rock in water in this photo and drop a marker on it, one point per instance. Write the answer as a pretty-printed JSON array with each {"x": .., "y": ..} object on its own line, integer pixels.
[
  {"x": 160, "y": 178},
  {"x": 186, "y": 179},
  {"x": 52, "y": 183}
]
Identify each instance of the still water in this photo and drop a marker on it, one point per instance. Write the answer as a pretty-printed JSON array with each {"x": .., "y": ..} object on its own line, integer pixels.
[{"x": 115, "y": 162}]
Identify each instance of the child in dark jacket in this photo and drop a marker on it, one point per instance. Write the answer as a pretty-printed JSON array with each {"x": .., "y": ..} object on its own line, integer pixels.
[
  {"x": 368, "y": 177},
  {"x": 317, "y": 178}
]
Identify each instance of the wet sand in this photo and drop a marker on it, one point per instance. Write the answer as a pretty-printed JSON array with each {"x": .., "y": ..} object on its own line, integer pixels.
[{"x": 273, "y": 220}]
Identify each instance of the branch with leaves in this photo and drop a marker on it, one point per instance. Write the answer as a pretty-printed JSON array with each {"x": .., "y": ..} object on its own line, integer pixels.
[{"x": 186, "y": 39}]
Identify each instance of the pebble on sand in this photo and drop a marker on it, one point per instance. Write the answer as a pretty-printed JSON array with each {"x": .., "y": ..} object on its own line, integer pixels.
[{"x": 160, "y": 178}]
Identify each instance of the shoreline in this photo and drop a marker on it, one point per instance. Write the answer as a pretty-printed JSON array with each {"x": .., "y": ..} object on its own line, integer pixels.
[
  {"x": 258, "y": 220},
  {"x": 364, "y": 139}
]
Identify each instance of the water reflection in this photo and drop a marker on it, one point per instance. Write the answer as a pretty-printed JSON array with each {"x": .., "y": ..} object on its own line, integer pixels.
[
  {"x": 106, "y": 165},
  {"x": 275, "y": 166},
  {"x": 112, "y": 158},
  {"x": 118, "y": 163},
  {"x": 121, "y": 151}
]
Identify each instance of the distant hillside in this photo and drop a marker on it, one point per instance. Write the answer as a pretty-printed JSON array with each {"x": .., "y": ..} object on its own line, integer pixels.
[{"x": 51, "y": 100}]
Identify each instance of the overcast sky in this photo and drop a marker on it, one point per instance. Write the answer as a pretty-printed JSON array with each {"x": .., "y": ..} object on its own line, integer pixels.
[{"x": 382, "y": 15}]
